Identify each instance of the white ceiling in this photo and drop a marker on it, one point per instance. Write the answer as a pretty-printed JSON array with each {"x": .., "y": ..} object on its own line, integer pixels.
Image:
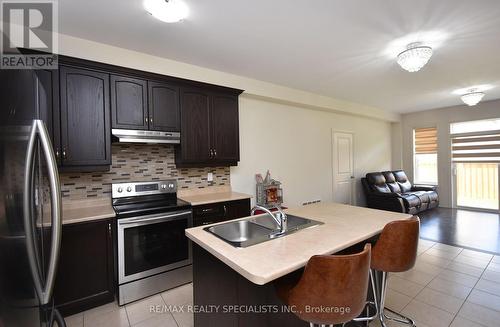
[{"x": 336, "y": 48}]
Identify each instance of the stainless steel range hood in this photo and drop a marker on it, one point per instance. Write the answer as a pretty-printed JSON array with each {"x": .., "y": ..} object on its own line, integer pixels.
[{"x": 139, "y": 136}]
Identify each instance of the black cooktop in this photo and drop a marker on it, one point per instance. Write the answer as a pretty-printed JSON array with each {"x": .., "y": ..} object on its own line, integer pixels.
[{"x": 148, "y": 204}]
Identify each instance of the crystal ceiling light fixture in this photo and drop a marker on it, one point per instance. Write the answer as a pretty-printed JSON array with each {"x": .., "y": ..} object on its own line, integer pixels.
[
  {"x": 168, "y": 11},
  {"x": 472, "y": 97},
  {"x": 414, "y": 57}
]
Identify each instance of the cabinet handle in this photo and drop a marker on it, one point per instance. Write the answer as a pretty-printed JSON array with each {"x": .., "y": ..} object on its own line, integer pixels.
[
  {"x": 210, "y": 153},
  {"x": 151, "y": 120},
  {"x": 57, "y": 154},
  {"x": 225, "y": 211},
  {"x": 146, "y": 119},
  {"x": 215, "y": 152},
  {"x": 64, "y": 153},
  {"x": 109, "y": 230}
]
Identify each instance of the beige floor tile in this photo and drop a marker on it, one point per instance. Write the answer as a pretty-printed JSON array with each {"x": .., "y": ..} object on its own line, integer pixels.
[
  {"x": 488, "y": 286},
  {"x": 491, "y": 275},
  {"x": 115, "y": 318},
  {"x": 448, "y": 248},
  {"x": 462, "y": 322},
  {"x": 485, "y": 299},
  {"x": 479, "y": 314},
  {"x": 494, "y": 266},
  {"x": 442, "y": 254},
  {"x": 184, "y": 319},
  {"x": 434, "y": 260},
  {"x": 417, "y": 276},
  {"x": 454, "y": 276},
  {"x": 440, "y": 300},
  {"x": 465, "y": 269},
  {"x": 142, "y": 310},
  {"x": 404, "y": 286},
  {"x": 74, "y": 320},
  {"x": 479, "y": 263},
  {"x": 476, "y": 254},
  {"x": 396, "y": 301},
  {"x": 451, "y": 288},
  {"x": 179, "y": 296},
  {"x": 159, "y": 320},
  {"x": 427, "y": 267},
  {"x": 103, "y": 309},
  {"x": 376, "y": 323},
  {"x": 427, "y": 243},
  {"x": 428, "y": 314}
]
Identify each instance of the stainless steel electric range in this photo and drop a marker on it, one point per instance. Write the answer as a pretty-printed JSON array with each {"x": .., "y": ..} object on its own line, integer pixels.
[{"x": 153, "y": 252}]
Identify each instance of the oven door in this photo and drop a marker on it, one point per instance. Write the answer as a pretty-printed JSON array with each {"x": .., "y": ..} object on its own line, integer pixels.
[{"x": 149, "y": 245}]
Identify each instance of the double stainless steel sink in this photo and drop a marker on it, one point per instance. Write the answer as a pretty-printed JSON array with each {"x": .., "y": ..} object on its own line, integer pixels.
[{"x": 258, "y": 229}]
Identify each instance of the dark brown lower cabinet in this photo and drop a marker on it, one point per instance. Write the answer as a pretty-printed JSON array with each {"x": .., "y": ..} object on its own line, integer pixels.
[
  {"x": 85, "y": 276},
  {"x": 206, "y": 214}
]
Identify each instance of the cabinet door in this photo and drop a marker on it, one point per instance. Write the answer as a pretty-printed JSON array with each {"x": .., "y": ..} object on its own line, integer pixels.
[
  {"x": 225, "y": 128},
  {"x": 164, "y": 111},
  {"x": 221, "y": 211},
  {"x": 129, "y": 105},
  {"x": 85, "y": 275},
  {"x": 237, "y": 209},
  {"x": 48, "y": 106},
  {"x": 85, "y": 117},
  {"x": 195, "y": 126}
]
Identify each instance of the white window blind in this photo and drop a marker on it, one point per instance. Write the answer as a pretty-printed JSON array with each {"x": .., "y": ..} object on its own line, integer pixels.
[{"x": 476, "y": 147}]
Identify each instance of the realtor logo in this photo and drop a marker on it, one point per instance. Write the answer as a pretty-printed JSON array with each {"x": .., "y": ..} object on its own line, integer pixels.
[{"x": 28, "y": 35}]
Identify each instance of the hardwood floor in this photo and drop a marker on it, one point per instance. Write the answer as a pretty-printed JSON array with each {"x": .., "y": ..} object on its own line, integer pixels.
[{"x": 464, "y": 228}]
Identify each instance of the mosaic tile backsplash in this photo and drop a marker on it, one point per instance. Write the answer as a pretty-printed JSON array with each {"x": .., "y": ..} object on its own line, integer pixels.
[{"x": 135, "y": 163}]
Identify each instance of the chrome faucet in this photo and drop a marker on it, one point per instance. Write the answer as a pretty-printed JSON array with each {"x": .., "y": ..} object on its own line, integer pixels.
[{"x": 280, "y": 217}]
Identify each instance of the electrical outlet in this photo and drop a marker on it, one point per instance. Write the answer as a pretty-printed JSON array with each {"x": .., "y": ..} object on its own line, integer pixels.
[
  {"x": 311, "y": 202},
  {"x": 210, "y": 177}
]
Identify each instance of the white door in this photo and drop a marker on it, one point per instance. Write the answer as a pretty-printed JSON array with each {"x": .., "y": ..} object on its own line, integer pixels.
[{"x": 343, "y": 168}]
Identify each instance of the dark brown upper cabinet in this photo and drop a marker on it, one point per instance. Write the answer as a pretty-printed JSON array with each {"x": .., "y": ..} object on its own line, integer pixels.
[
  {"x": 85, "y": 118},
  {"x": 210, "y": 129},
  {"x": 146, "y": 105},
  {"x": 195, "y": 136},
  {"x": 47, "y": 96},
  {"x": 164, "y": 112},
  {"x": 129, "y": 105},
  {"x": 225, "y": 128}
]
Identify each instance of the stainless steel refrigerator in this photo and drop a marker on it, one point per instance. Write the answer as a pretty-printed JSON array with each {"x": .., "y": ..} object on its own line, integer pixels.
[{"x": 30, "y": 206}]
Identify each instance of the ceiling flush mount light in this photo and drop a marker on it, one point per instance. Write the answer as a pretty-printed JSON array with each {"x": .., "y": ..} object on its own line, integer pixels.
[
  {"x": 472, "y": 97},
  {"x": 169, "y": 11},
  {"x": 414, "y": 57}
]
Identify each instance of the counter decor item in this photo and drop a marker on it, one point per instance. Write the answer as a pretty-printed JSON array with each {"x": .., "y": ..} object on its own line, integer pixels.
[{"x": 268, "y": 191}]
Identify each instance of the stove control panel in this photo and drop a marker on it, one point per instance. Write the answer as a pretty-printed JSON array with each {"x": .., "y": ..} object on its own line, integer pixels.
[{"x": 121, "y": 190}]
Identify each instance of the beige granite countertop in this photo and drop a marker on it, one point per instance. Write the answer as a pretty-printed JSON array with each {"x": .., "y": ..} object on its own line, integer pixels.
[
  {"x": 343, "y": 226},
  {"x": 77, "y": 211},
  {"x": 211, "y": 195}
]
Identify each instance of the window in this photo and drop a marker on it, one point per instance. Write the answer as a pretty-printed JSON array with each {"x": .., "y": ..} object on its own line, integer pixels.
[
  {"x": 475, "y": 126},
  {"x": 425, "y": 156},
  {"x": 475, "y": 153}
]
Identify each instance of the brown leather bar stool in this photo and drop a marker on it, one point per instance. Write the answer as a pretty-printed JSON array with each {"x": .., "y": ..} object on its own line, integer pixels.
[
  {"x": 395, "y": 251},
  {"x": 332, "y": 290}
]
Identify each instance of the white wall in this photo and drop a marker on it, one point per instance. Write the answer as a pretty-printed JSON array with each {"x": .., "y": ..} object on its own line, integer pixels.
[
  {"x": 285, "y": 130},
  {"x": 441, "y": 118},
  {"x": 296, "y": 145}
]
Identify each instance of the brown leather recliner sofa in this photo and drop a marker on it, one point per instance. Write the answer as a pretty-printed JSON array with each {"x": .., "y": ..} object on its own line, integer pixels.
[{"x": 391, "y": 190}]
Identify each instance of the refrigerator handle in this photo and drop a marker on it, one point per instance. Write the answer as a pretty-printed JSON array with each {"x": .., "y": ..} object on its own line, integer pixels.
[{"x": 44, "y": 290}]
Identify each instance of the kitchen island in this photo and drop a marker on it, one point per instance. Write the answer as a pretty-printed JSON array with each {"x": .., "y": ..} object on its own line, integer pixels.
[{"x": 234, "y": 286}]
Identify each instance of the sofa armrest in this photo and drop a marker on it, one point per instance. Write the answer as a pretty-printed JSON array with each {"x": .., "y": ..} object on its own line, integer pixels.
[
  {"x": 424, "y": 188},
  {"x": 385, "y": 195},
  {"x": 385, "y": 201}
]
